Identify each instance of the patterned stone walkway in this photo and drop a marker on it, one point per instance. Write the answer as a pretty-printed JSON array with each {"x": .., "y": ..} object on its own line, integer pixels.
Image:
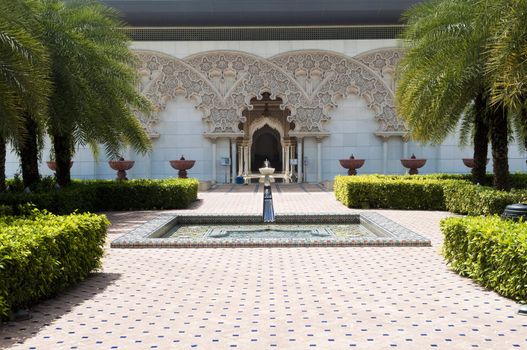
[{"x": 273, "y": 298}]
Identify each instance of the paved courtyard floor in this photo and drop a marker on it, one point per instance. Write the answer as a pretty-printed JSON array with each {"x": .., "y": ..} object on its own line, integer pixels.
[{"x": 273, "y": 298}]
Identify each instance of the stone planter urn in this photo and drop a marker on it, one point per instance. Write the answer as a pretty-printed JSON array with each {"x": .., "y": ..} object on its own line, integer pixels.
[
  {"x": 469, "y": 162},
  {"x": 352, "y": 164},
  {"x": 121, "y": 166},
  {"x": 182, "y": 165},
  {"x": 52, "y": 165},
  {"x": 515, "y": 212},
  {"x": 413, "y": 164}
]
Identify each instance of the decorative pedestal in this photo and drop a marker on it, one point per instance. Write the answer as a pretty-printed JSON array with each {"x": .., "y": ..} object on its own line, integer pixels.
[
  {"x": 268, "y": 209},
  {"x": 121, "y": 166},
  {"x": 413, "y": 164},
  {"x": 352, "y": 164},
  {"x": 182, "y": 165}
]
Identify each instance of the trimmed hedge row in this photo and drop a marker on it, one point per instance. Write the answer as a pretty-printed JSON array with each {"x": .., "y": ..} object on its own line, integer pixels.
[
  {"x": 109, "y": 195},
  {"x": 465, "y": 198},
  {"x": 517, "y": 180},
  {"x": 489, "y": 250},
  {"x": 423, "y": 193},
  {"x": 42, "y": 254},
  {"x": 383, "y": 192}
]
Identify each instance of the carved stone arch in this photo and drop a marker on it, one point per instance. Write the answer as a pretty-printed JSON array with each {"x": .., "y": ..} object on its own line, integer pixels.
[
  {"x": 164, "y": 77},
  {"x": 327, "y": 75},
  {"x": 240, "y": 77},
  {"x": 221, "y": 85},
  {"x": 275, "y": 124}
]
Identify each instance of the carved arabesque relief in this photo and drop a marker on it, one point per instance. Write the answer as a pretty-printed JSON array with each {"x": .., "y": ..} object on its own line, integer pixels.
[
  {"x": 221, "y": 85},
  {"x": 382, "y": 61},
  {"x": 329, "y": 76}
]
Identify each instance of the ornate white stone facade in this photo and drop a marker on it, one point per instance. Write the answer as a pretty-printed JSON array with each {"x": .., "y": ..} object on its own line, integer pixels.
[
  {"x": 328, "y": 99},
  {"x": 221, "y": 84}
]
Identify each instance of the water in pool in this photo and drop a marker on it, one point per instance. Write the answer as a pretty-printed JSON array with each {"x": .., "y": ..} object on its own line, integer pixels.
[{"x": 272, "y": 231}]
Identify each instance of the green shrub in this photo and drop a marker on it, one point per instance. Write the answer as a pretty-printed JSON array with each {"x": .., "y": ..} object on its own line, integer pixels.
[
  {"x": 46, "y": 183},
  {"x": 518, "y": 181},
  {"x": 42, "y": 254},
  {"x": 390, "y": 193},
  {"x": 427, "y": 192},
  {"x": 109, "y": 195},
  {"x": 489, "y": 250},
  {"x": 6, "y": 210},
  {"x": 145, "y": 194},
  {"x": 466, "y": 198}
]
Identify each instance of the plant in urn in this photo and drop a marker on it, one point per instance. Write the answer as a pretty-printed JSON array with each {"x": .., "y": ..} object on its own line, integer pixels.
[
  {"x": 352, "y": 164},
  {"x": 121, "y": 166},
  {"x": 182, "y": 165},
  {"x": 413, "y": 164}
]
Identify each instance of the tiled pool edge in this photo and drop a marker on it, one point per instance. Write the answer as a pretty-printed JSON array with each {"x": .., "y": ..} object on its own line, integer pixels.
[{"x": 397, "y": 235}]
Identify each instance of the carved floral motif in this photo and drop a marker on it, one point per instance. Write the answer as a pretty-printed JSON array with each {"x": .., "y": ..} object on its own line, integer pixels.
[
  {"x": 221, "y": 85},
  {"x": 382, "y": 61}
]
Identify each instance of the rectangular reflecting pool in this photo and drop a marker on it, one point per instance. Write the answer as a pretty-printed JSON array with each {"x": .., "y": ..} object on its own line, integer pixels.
[
  {"x": 188, "y": 231},
  {"x": 269, "y": 231}
]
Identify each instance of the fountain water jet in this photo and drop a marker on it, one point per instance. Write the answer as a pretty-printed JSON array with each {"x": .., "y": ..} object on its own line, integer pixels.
[{"x": 268, "y": 210}]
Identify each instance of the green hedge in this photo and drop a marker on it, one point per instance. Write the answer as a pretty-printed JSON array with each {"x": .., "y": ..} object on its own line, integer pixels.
[
  {"x": 466, "y": 198},
  {"x": 489, "y": 250},
  {"x": 383, "y": 192},
  {"x": 435, "y": 192},
  {"x": 109, "y": 195},
  {"x": 42, "y": 254}
]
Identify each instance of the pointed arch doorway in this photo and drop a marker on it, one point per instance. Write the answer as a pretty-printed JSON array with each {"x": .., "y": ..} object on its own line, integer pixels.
[
  {"x": 266, "y": 145},
  {"x": 267, "y": 137}
]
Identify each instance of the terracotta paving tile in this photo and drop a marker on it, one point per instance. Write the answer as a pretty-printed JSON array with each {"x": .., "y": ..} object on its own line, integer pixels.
[{"x": 273, "y": 298}]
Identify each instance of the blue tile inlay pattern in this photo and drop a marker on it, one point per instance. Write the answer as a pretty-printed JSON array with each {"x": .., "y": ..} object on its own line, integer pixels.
[{"x": 385, "y": 232}]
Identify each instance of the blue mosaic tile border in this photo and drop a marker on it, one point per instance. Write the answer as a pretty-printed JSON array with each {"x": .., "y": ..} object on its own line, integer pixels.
[{"x": 388, "y": 233}]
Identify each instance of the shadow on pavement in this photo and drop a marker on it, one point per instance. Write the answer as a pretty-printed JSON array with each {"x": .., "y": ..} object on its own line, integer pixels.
[{"x": 47, "y": 311}]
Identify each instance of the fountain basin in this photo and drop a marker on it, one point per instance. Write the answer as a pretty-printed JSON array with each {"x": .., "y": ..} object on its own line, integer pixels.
[
  {"x": 413, "y": 164},
  {"x": 52, "y": 165},
  {"x": 469, "y": 162},
  {"x": 170, "y": 230},
  {"x": 352, "y": 164},
  {"x": 266, "y": 171},
  {"x": 121, "y": 165},
  {"x": 179, "y": 164},
  {"x": 182, "y": 165}
]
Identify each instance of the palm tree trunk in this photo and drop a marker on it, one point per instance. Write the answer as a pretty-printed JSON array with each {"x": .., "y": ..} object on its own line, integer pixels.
[
  {"x": 524, "y": 122},
  {"x": 481, "y": 141},
  {"x": 63, "y": 153},
  {"x": 499, "y": 134},
  {"x": 29, "y": 153},
  {"x": 2, "y": 163}
]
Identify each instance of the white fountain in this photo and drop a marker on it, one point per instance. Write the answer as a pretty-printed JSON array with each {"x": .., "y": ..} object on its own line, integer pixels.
[
  {"x": 268, "y": 210},
  {"x": 266, "y": 171}
]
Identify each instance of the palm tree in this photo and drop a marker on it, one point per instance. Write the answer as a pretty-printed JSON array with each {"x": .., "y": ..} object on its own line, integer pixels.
[
  {"x": 443, "y": 74},
  {"x": 507, "y": 63},
  {"x": 23, "y": 84},
  {"x": 95, "y": 82}
]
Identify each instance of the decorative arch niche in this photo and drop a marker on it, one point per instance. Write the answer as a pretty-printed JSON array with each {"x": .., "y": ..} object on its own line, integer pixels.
[{"x": 309, "y": 82}]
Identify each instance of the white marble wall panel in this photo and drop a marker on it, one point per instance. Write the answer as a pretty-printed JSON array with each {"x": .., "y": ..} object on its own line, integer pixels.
[
  {"x": 223, "y": 151},
  {"x": 310, "y": 154}
]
